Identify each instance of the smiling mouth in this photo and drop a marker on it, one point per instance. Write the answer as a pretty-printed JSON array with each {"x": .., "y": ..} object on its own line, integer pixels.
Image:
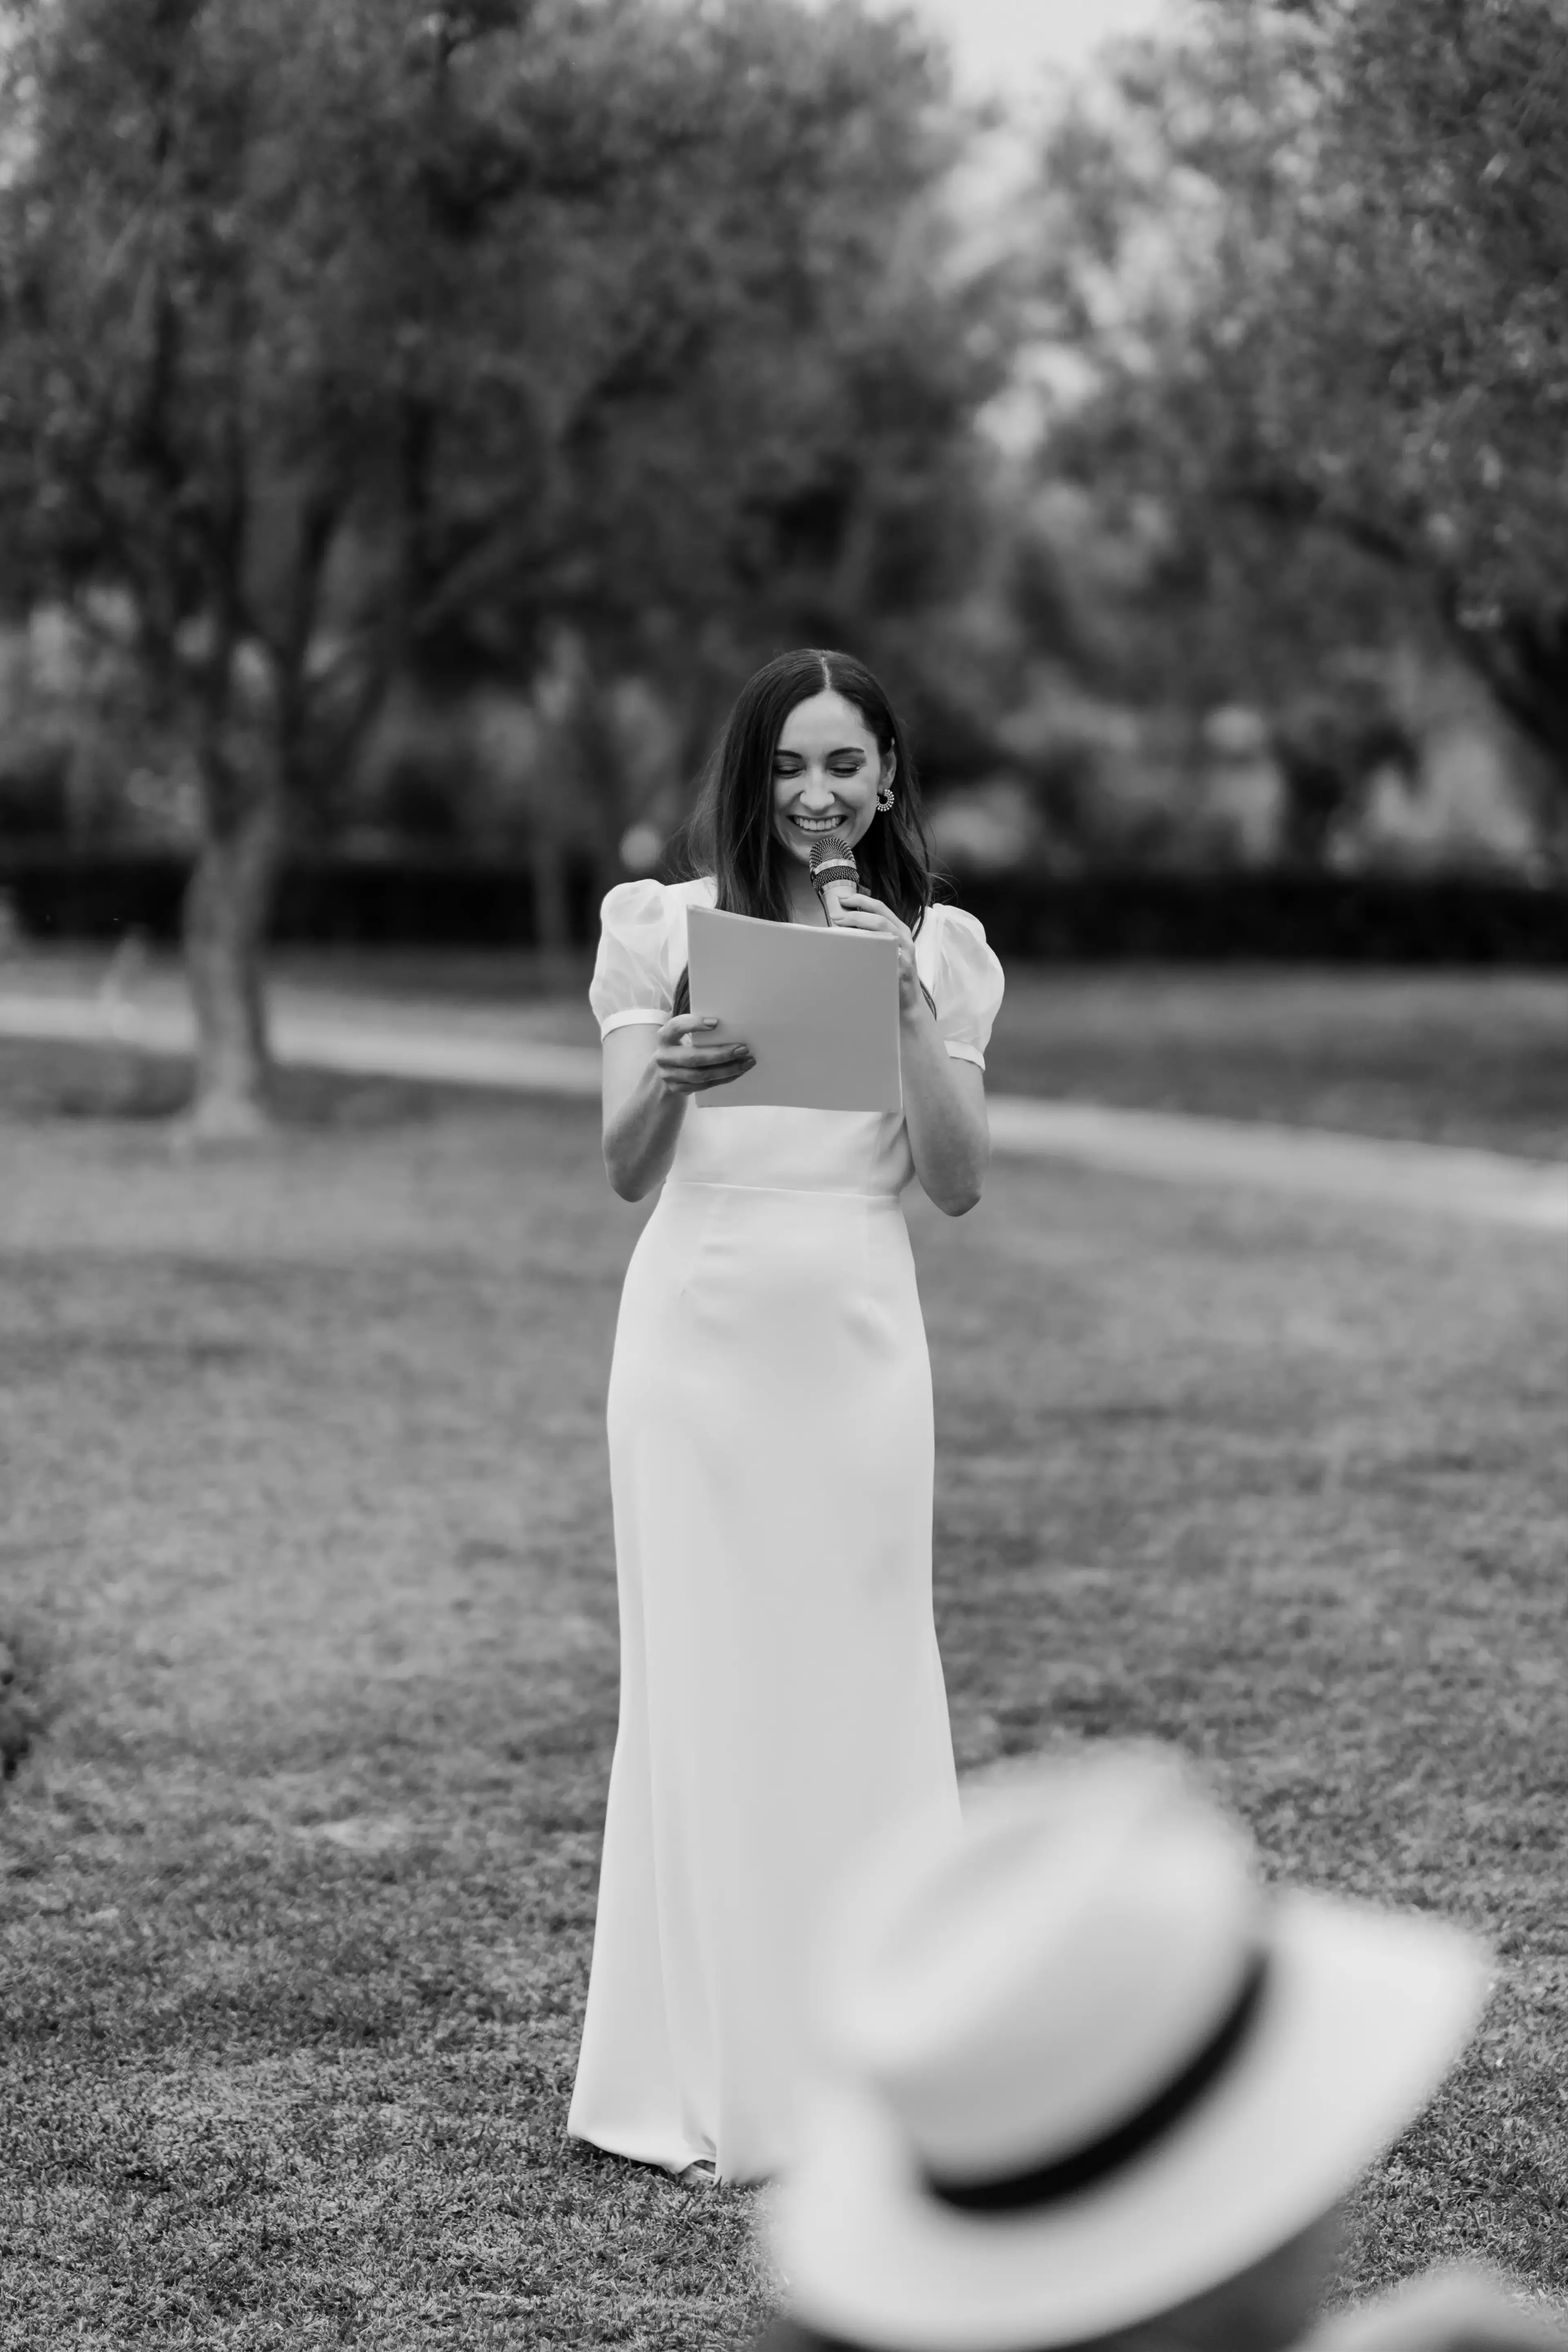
[{"x": 819, "y": 824}]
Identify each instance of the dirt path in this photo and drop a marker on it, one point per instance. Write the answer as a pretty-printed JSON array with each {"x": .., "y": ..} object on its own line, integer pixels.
[{"x": 482, "y": 1046}]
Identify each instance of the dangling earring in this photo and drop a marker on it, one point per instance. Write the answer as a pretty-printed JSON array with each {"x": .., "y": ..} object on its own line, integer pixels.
[{"x": 884, "y": 799}]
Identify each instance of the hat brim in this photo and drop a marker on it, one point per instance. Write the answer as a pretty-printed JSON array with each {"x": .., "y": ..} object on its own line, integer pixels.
[{"x": 1364, "y": 2012}]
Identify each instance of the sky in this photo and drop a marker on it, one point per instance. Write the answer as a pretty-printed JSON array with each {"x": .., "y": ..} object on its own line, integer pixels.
[
  {"x": 1016, "y": 50},
  {"x": 1006, "y": 47}
]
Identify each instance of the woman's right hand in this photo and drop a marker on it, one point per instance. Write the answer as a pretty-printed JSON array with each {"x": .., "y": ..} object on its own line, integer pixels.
[{"x": 689, "y": 1063}]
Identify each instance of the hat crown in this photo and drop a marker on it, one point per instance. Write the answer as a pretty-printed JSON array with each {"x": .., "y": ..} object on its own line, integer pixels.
[{"x": 1020, "y": 1994}]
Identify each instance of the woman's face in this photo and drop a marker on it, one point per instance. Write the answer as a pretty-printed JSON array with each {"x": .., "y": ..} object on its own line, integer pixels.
[{"x": 827, "y": 773}]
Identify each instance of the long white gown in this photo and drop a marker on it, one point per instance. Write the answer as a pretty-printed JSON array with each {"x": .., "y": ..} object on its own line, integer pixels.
[{"x": 771, "y": 1453}]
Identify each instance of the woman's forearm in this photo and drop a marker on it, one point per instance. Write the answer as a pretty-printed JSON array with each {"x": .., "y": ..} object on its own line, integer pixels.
[
  {"x": 640, "y": 1139},
  {"x": 949, "y": 1137}
]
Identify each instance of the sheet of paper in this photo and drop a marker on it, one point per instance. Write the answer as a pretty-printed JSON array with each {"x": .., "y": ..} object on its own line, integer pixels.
[{"x": 817, "y": 1007}]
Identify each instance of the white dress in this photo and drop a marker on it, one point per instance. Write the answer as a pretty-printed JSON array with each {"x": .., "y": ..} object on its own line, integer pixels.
[{"x": 770, "y": 1458}]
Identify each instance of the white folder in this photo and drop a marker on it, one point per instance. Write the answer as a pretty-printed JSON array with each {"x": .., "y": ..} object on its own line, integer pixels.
[{"x": 817, "y": 1004}]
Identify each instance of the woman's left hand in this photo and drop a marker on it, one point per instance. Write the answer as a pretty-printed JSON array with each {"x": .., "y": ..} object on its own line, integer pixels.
[{"x": 858, "y": 912}]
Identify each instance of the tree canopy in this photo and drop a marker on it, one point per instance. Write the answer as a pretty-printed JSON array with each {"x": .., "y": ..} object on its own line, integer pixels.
[
  {"x": 1314, "y": 254},
  {"x": 345, "y": 341}
]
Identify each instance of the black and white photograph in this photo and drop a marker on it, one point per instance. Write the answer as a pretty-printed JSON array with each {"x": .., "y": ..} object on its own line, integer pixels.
[{"x": 784, "y": 1175}]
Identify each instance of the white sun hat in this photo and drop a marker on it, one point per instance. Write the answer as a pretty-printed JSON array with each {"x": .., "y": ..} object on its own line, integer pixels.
[{"x": 1080, "y": 2065}]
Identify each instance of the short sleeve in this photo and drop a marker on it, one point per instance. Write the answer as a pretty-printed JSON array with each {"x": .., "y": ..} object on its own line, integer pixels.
[
  {"x": 632, "y": 981},
  {"x": 967, "y": 986}
]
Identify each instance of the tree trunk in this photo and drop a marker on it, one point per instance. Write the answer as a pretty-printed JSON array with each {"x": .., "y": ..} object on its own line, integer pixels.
[
  {"x": 1524, "y": 660},
  {"x": 226, "y": 906}
]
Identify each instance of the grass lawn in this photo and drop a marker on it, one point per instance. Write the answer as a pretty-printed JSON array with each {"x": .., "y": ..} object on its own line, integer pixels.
[
  {"x": 304, "y": 1541},
  {"x": 1475, "y": 1057}
]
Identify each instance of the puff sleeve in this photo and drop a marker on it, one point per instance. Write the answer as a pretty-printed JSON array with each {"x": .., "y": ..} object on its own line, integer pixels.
[
  {"x": 631, "y": 980},
  {"x": 967, "y": 986}
]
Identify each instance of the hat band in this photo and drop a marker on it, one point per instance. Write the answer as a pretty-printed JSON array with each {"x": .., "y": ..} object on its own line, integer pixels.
[{"x": 1063, "y": 2176}]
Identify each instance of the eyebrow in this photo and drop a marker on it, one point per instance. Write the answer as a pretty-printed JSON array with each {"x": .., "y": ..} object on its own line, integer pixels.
[{"x": 839, "y": 751}]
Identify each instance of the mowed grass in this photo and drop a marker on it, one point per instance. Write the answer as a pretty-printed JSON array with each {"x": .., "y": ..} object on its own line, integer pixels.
[
  {"x": 1462, "y": 1057},
  {"x": 305, "y": 1542}
]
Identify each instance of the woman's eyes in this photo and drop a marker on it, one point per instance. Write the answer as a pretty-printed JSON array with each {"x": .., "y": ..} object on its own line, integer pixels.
[{"x": 847, "y": 763}]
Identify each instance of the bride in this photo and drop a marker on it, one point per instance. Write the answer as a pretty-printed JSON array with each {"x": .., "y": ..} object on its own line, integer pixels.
[{"x": 770, "y": 1441}]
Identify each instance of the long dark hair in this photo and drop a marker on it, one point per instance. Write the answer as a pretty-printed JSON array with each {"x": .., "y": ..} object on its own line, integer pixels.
[{"x": 730, "y": 832}]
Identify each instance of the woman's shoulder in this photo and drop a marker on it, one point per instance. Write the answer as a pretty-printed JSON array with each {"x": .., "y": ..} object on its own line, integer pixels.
[
  {"x": 952, "y": 937},
  {"x": 648, "y": 892},
  {"x": 633, "y": 905},
  {"x": 961, "y": 968},
  {"x": 698, "y": 890},
  {"x": 949, "y": 922}
]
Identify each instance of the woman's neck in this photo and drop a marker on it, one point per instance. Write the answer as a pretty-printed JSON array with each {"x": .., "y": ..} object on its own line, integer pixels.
[{"x": 799, "y": 890}]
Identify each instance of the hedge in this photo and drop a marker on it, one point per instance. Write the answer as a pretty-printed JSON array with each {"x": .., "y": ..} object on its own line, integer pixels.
[
  {"x": 328, "y": 901},
  {"x": 1096, "y": 918},
  {"x": 1273, "y": 918}
]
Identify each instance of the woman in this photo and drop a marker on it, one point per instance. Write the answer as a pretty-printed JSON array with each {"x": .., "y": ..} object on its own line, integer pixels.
[{"x": 770, "y": 1441}]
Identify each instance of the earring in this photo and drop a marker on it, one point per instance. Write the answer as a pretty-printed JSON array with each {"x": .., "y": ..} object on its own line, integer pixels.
[{"x": 884, "y": 799}]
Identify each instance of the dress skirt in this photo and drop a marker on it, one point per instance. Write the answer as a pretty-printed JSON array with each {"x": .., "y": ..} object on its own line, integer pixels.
[{"x": 781, "y": 1694}]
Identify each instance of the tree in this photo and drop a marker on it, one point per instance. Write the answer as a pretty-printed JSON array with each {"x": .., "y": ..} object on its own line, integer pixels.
[
  {"x": 1315, "y": 255},
  {"x": 546, "y": 341},
  {"x": 184, "y": 375}
]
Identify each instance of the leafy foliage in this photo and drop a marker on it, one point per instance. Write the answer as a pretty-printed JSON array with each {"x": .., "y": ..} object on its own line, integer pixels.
[
  {"x": 568, "y": 344},
  {"x": 1315, "y": 255},
  {"x": 631, "y": 317}
]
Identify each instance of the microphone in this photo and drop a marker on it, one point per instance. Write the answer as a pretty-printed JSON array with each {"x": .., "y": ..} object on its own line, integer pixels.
[{"x": 834, "y": 871}]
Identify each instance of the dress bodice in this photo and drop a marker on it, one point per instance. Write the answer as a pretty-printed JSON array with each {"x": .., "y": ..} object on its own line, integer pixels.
[
  {"x": 794, "y": 1151},
  {"x": 641, "y": 954}
]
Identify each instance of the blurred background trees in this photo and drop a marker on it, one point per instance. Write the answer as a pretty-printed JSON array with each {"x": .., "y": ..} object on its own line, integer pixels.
[
  {"x": 414, "y": 421},
  {"x": 1304, "y": 270},
  {"x": 440, "y": 407}
]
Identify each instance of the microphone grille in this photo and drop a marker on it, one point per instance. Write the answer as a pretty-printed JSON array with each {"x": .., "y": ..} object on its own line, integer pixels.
[{"x": 831, "y": 850}]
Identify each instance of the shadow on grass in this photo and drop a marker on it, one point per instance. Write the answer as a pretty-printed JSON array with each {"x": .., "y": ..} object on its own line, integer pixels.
[{"x": 42, "y": 1081}]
